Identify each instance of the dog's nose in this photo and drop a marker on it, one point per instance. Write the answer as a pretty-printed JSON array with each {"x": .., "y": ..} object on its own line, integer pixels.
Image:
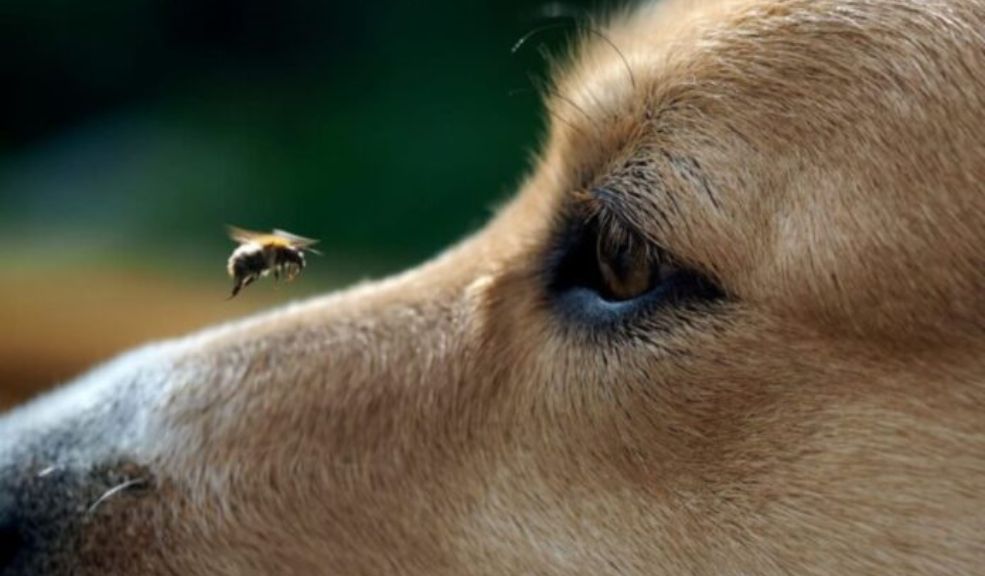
[
  {"x": 35, "y": 496},
  {"x": 13, "y": 543},
  {"x": 26, "y": 524},
  {"x": 48, "y": 481},
  {"x": 11, "y": 540},
  {"x": 40, "y": 518},
  {"x": 45, "y": 508},
  {"x": 61, "y": 482},
  {"x": 65, "y": 460}
]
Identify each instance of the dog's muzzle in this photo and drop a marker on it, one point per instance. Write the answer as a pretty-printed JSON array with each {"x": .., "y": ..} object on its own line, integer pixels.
[{"x": 66, "y": 462}]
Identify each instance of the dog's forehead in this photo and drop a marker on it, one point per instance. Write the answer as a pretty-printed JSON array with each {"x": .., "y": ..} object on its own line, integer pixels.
[
  {"x": 808, "y": 61},
  {"x": 769, "y": 88},
  {"x": 618, "y": 59}
]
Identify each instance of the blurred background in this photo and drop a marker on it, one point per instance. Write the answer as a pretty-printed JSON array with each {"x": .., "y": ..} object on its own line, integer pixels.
[{"x": 133, "y": 131}]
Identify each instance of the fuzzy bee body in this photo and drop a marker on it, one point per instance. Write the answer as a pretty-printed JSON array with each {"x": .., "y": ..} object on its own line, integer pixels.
[{"x": 260, "y": 254}]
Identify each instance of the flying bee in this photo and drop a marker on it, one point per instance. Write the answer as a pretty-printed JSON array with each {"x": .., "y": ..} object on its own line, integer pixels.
[{"x": 260, "y": 254}]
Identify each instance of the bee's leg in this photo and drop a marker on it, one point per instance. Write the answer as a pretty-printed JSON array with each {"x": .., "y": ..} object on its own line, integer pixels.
[
  {"x": 237, "y": 286},
  {"x": 276, "y": 273},
  {"x": 242, "y": 283}
]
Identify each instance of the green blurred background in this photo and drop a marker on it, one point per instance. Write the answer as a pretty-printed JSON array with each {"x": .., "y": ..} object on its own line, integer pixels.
[{"x": 134, "y": 130}]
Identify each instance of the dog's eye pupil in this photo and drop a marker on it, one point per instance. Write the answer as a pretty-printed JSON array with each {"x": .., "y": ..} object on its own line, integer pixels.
[{"x": 627, "y": 268}]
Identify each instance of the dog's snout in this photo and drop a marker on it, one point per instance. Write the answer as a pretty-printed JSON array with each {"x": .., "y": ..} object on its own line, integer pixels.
[
  {"x": 29, "y": 524},
  {"x": 64, "y": 473},
  {"x": 46, "y": 513}
]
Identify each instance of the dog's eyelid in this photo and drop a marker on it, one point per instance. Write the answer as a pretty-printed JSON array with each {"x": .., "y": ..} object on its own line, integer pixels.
[
  {"x": 615, "y": 215},
  {"x": 607, "y": 203}
]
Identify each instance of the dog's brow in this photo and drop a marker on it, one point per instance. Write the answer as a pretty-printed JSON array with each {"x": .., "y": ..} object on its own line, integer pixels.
[
  {"x": 654, "y": 191},
  {"x": 690, "y": 171},
  {"x": 631, "y": 205}
]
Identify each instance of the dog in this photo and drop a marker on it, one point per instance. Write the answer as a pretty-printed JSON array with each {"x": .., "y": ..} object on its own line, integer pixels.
[{"x": 732, "y": 323}]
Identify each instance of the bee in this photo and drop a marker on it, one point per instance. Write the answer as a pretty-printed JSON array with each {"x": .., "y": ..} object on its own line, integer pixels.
[{"x": 260, "y": 254}]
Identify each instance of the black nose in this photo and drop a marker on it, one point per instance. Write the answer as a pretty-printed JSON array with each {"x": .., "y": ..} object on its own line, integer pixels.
[
  {"x": 11, "y": 538},
  {"x": 38, "y": 519},
  {"x": 10, "y": 542},
  {"x": 63, "y": 474},
  {"x": 40, "y": 502}
]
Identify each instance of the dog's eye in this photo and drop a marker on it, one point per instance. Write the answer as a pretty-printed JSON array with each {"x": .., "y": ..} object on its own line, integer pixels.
[
  {"x": 604, "y": 272},
  {"x": 627, "y": 267}
]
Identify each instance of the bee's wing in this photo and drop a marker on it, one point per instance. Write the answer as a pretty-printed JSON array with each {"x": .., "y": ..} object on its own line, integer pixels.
[
  {"x": 297, "y": 241},
  {"x": 243, "y": 236}
]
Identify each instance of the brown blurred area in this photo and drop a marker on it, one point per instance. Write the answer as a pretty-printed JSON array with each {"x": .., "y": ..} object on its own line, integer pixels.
[{"x": 58, "y": 322}]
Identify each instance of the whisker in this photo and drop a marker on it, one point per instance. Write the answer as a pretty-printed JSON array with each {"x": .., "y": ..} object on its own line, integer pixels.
[
  {"x": 550, "y": 89},
  {"x": 541, "y": 87},
  {"x": 581, "y": 24},
  {"x": 133, "y": 483},
  {"x": 523, "y": 39},
  {"x": 625, "y": 61},
  {"x": 48, "y": 471},
  {"x": 572, "y": 103},
  {"x": 564, "y": 121}
]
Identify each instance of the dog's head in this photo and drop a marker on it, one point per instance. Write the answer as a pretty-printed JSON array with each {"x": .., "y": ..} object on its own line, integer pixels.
[{"x": 732, "y": 323}]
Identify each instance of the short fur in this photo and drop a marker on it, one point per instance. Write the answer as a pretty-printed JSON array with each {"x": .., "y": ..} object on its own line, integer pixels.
[{"x": 822, "y": 160}]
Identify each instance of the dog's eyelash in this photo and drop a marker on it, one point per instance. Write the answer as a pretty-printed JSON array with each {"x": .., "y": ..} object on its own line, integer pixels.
[
  {"x": 600, "y": 210},
  {"x": 616, "y": 235},
  {"x": 603, "y": 210}
]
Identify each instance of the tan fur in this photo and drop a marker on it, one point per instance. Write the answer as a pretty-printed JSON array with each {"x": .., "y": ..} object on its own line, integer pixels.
[{"x": 822, "y": 160}]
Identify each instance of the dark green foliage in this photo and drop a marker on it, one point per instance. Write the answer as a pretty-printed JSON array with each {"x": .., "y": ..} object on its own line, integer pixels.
[{"x": 386, "y": 128}]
